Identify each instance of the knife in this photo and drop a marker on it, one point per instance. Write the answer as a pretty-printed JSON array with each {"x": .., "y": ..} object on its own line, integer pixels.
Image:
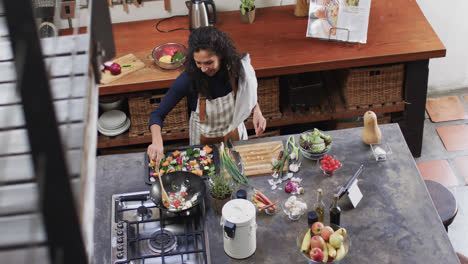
[
  {"x": 345, "y": 188},
  {"x": 236, "y": 155}
]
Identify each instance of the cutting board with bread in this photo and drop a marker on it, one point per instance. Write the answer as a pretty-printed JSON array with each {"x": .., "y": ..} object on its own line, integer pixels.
[{"x": 128, "y": 64}]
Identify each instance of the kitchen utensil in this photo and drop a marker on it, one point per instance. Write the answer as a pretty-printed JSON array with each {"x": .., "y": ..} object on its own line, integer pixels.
[
  {"x": 166, "y": 5},
  {"x": 164, "y": 197},
  {"x": 345, "y": 187},
  {"x": 158, "y": 52},
  {"x": 257, "y": 157},
  {"x": 173, "y": 180},
  {"x": 236, "y": 155},
  {"x": 239, "y": 228},
  {"x": 134, "y": 64},
  {"x": 300, "y": 238},
  {"x": 199, "y": 14}
]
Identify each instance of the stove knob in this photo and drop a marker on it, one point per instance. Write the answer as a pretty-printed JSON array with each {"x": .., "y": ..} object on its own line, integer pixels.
[
  {"x": 120, "y": 255},
  {"x": 120, "y": 240},
  {"x": 119, "y": 232},
  {"x": 120, "y": 248},
  {"x": 120, "y": 225}
]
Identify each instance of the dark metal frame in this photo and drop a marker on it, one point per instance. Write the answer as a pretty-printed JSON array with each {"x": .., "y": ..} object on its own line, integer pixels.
[{"x": 59, "y": 212}]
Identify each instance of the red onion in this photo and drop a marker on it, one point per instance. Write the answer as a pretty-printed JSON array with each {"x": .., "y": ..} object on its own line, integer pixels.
[
  {"x": 115, "y": 68},
  {"x": 291, "y": 186},
  {"x": 107, "y": 64}
]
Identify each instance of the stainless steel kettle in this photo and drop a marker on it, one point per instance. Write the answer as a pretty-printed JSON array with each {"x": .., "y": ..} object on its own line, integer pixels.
[{"x": 199, "y": 13}]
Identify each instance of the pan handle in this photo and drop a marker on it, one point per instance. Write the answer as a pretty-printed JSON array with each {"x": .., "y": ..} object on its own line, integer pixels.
[{"x": 136, "y": 197}]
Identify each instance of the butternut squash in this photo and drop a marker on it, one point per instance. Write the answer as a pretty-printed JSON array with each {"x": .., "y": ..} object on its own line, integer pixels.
[{"x": 371, "y": 132}]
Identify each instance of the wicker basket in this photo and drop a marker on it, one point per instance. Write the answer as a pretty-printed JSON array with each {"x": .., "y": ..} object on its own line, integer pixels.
[
  {"x": 268, "y": 95},
  {"x": 372, "y": 85},
  {"x": 141, "y": 107}
]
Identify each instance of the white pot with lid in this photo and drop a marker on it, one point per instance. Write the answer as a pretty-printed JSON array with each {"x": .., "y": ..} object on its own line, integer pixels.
[{"x": 239, "y": 228}]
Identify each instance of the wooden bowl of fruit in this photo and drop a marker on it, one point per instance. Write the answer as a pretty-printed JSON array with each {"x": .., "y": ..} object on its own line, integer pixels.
[{"x": 323, "y": 244}]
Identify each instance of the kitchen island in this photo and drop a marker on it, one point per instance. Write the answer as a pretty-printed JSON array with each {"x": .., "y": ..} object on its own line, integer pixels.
[
  {"x": 398, "y": 33},
  {"x": 395, "y": 222}
]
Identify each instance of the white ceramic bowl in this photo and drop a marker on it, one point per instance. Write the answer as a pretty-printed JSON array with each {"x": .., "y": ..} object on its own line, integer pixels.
[{"x": 111, "y": 105}]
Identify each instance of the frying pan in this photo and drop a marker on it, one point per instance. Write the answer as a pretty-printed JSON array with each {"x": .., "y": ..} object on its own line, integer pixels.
[{"x": 194, "y": 183}]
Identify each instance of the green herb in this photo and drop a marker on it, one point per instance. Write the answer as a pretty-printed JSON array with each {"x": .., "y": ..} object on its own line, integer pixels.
[
  {"x": 280, "y": 165},
  {"x": 177, "y": 57},
  {"x": 232, "y": 168},
  {"x": 189, "y": 152},
  {"x": 295, "y": 149},
  {"x": 221, "y": 187},
  {"x": 247, "y": 5}
]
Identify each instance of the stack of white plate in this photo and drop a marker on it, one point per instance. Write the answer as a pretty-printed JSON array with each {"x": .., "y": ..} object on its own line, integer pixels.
[{"x": 113, "y": 123}]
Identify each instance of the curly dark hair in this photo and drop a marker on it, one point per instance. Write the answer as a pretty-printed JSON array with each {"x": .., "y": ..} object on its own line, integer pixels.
[{"x": 218, "y": 42}]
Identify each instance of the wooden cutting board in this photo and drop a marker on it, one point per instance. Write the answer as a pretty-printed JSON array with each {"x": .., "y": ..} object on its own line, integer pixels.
[
  {"x": 129, "y": 59},
  {"x": 257, "y": 157}
]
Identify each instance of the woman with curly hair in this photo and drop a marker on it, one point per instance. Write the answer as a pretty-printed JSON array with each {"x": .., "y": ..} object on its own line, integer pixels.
[{"x": 221, "y": 88}]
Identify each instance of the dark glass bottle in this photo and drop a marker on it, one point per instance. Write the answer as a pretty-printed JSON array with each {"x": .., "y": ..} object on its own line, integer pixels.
[
  {"x": 335, "y": 211},
  {"x": 319, "y": 206}
]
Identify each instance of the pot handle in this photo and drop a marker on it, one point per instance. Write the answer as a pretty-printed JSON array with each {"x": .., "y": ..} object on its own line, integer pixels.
[
  {"x": 212, "y": 19},
  {"x": 229, "y": 229}
]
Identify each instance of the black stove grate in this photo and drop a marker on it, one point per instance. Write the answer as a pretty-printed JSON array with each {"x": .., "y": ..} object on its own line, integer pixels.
[{"x": 190, "y": 241}]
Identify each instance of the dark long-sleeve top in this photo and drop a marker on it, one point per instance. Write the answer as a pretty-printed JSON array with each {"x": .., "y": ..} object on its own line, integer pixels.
[{"x": 218, "y": 86}]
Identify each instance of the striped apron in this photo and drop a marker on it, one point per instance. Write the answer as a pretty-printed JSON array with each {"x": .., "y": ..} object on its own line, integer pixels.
[{"x": 218, "y": 116}]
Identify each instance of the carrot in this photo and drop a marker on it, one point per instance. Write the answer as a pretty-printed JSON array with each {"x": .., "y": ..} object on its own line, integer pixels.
[
  {"x": 207, "y": 149},
  {"x": 208, "y": 160},
  {"x": 176, "y": 153},
  {"x": 193, "y": 162},
  {"x": 170, "y": 158},
  {"x": 165, "y": 164}
]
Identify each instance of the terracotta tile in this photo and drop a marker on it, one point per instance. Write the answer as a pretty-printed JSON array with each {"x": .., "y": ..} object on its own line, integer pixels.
[
  {"x": 445, "y": 109},
  {"x": 454, "y": 137},
  {"x": 462, "y": 166},
  {"x": 439, "y": 171}
]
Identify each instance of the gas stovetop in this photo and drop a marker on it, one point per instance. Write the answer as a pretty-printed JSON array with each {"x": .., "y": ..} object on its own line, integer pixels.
[{"x": 142, "y": 233}]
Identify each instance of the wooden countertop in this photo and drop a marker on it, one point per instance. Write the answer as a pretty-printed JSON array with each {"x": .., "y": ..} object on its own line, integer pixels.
[{"x": 276, "y": 42}]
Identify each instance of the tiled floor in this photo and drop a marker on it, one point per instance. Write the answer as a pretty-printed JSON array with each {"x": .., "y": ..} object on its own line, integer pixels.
[{"x": 444, "y": 156}]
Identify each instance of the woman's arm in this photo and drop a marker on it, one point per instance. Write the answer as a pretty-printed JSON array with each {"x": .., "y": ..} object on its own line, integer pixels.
[
  {"x": 156, "y": 149},
  {"x": 259, "y": 121},
  {"x": 178, "y": 90}
]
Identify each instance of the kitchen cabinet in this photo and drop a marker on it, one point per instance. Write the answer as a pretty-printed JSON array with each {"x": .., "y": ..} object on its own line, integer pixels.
[{"x": 278, "y": 46}]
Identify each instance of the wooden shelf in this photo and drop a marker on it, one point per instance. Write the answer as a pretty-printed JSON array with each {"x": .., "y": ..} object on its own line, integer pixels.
[{"x": 332, "y": 107}]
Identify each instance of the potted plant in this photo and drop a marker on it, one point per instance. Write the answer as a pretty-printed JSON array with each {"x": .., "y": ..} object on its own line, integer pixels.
[
  {"x": 247, "y": 9},
  {"x": 221, "y": 191}
]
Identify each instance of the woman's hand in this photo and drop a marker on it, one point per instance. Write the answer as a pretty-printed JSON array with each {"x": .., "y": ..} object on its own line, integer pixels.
[
  {"x": 156, "y": 149},
  {"x": 259, "y": 121},
  {"x": 155, "y": 153}
]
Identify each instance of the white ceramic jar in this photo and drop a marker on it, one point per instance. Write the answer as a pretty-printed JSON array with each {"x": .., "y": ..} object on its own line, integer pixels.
[{"x": 239, "y": 228}]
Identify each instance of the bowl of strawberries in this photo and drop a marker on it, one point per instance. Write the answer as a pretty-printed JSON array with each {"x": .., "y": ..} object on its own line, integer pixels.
[{"x": 329, "y": 165}]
